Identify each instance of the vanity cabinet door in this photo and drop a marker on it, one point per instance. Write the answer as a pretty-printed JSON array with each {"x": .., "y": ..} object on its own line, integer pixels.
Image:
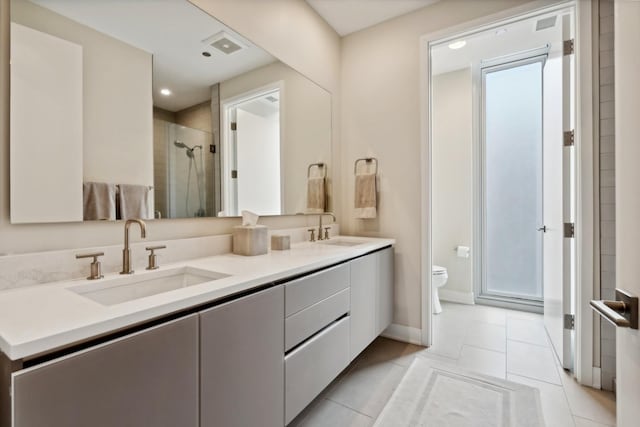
[
  {"x": 384, "y": 289},
  {"x": 149, "y": 378},
  {"x": 371, "y": 298},
  {"x": 363, "y": 302},
  {"x": 242, "y": 362}
]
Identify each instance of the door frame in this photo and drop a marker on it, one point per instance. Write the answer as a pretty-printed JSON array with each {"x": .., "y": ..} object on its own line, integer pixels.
[
  {"x": 585, "y": 169},
  {"x": 226, "y": 107}
]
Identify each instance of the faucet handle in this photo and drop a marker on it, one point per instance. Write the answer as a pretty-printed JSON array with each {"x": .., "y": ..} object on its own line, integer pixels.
[
  {"x": 326, "y": 233},
  {"x": 312, "y": 237},
  {"x": 153, "y": 258},
  {"x": 96, "y": 268}
]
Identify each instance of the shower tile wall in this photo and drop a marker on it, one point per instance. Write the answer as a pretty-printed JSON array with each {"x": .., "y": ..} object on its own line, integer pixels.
[
  {"x": 199, "y": 117},
  {"x": 215, "y": 187},
  {"x": 607, "y": 191},
  {"x": 160, "y": 158}
]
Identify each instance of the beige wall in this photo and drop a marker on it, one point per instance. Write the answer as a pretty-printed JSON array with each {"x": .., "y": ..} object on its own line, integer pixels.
[
  {"x": 452, "y": 197},
  {"x": 380, "y": 110},
  {"x": 306, "y": 134},
  {"x": 117, "y": 135},
  {"x": 322, "y": 57}
]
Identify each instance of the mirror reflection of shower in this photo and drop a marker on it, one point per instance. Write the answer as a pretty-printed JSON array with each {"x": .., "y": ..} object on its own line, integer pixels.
[
  {"x": 184, "y": 176},
  {"x": 193, "y": 165}
]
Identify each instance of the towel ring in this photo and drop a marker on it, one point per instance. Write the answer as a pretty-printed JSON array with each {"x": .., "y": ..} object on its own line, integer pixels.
[
  {"x": 319, "y": 166},
  {"x": 367, "y": 160}
]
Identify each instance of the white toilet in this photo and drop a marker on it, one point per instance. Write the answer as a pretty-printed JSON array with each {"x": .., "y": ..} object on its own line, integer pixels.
[{"x": 438, "y": 279}]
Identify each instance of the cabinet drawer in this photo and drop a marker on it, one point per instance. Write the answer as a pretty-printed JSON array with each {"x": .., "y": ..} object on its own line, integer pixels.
[
  {"x": 307, "y": 322},
  {"x": 312, "y": 366},
  {"x": 308, "y": 290}
]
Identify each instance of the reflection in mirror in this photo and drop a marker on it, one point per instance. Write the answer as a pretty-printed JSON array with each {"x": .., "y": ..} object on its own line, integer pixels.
[{"x": 181, "y": 116}]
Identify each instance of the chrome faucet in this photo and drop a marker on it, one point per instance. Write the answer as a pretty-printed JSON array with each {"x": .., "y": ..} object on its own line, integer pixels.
[
  {"x": 126, "y": 252},
  {"x": 326, "y": 235}
]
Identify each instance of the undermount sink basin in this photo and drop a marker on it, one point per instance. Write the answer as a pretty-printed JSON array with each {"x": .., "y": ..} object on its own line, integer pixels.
[
  {"x": 128, "y": 288},
  {"x": 340, "y": 242}
]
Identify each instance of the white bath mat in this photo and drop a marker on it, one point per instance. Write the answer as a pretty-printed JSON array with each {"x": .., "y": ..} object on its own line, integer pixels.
[{"x": 430, "y": 395}]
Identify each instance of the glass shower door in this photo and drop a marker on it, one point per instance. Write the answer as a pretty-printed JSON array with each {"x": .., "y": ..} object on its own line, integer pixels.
[
  {"x": 188, "y": 176},
  {"x": 512, "y": 223}
]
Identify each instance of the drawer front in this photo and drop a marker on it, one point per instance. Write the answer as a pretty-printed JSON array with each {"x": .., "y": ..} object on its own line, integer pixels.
[
  {"x": 311, "y": 367},
  {"x": 306, "y": 291},
  {"x": 307, "y": 322}
]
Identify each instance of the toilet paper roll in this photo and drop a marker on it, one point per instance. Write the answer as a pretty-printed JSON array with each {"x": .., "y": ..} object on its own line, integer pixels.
[{"x": 462, "y": 251}]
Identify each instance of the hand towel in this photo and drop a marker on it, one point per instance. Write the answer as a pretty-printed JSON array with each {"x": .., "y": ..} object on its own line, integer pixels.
[
  {"x": 315, "y": 195},
  {"x": 133, "y": 202},
  {"x": 99, "y": 201},
  {"x": 365, "y": 203}
]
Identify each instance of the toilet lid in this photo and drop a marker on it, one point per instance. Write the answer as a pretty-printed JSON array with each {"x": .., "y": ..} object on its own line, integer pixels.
[{"x": 438, "y": 270}]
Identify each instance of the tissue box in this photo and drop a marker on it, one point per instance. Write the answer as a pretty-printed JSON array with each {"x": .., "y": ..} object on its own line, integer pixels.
[
  {"x": 250, "y": 240},
  {"x": 280, "y": 242}
]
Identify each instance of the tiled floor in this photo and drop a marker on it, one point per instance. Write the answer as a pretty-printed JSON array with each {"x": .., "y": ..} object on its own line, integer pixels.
[{"x": 493, "y": 341}]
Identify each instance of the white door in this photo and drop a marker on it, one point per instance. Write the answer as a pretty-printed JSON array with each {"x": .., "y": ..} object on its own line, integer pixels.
[
  {"x": 559, "y": 251},
  {"x": 627, "y": 96}
]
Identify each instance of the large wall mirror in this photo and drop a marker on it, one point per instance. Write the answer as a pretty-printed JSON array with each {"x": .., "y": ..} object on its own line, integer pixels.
[{"x": 155, "y": 109}]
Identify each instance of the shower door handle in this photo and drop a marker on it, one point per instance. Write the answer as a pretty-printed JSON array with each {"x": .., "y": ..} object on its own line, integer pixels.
[{"x": 543, "y": 229}]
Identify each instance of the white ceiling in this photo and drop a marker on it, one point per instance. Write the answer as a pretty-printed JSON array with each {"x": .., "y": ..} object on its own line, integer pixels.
[
  {"x": 349, "y": 16},
  {"x": 173, "y": 31},
  {"x": 489, "y": 44}
]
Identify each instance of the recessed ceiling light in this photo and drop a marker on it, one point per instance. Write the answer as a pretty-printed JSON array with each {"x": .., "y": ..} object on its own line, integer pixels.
[
  {"x": 226, "y": 45},
  {"x": 165, "y": 92},
  {"x": 457, "y": 45},
  {"x": 501, "y": 31}
]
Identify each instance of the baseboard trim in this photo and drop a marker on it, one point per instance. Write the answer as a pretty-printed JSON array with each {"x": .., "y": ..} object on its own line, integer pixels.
[
  {"x": 403, "y": 333},
  {"x": 456, "y": 296}
]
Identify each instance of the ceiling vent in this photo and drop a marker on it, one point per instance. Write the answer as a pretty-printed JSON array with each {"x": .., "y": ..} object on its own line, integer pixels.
[
  {"x": 271, "y": 98},
  {"x": 224, "y": 42},
  {"x": 544, "y": 23}
]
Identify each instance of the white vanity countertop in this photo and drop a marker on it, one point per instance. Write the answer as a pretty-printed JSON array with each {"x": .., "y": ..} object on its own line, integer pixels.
[{"x": 42, "y": 318}]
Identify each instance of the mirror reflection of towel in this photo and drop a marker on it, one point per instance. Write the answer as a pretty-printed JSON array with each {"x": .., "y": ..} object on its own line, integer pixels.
[
  {"x": 99, "y": 201},
  {"x": 133, "y": 202},
  {"x": 365, "y": 203},
  {"x": 315, "y": 195}
]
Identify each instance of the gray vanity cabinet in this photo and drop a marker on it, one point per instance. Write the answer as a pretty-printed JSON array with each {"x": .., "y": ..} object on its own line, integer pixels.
[
  {"x": 149, "y": 378},
  {"x": 242, "y": 361},
  {"x": 384, "y": 289},
  {"x": 363, "y": 302},
  {"x": 371, "y": 298}
]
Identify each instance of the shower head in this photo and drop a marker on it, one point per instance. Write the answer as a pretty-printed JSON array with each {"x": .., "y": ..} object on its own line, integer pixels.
[{"x": 180, "y": 144}]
